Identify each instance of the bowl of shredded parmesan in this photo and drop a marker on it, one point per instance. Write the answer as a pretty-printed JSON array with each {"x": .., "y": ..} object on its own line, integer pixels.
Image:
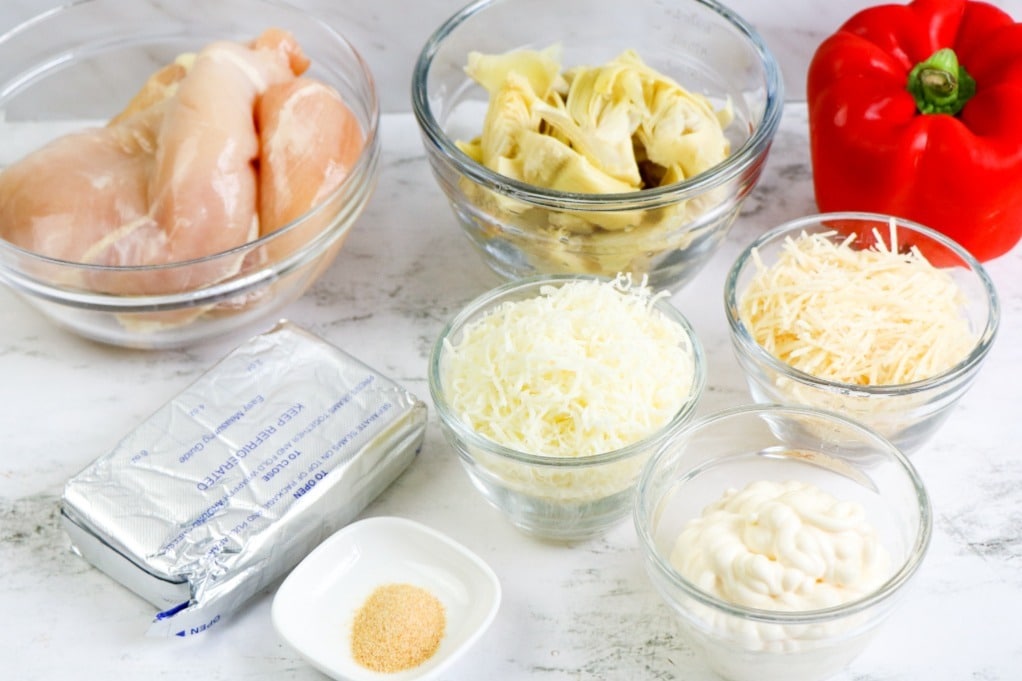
[
  {"x": 554, "y": 390},
  {"x": 880, "y": 319}
]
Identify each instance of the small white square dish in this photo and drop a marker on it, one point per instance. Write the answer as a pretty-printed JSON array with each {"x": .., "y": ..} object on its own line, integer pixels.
[{"x": 315, "y": 607}]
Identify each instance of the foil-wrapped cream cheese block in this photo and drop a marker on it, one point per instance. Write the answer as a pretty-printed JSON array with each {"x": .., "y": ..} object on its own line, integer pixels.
[{"x": 230, "y": 484}]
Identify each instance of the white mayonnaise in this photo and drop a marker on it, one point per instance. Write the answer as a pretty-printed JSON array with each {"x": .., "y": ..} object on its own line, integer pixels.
[{"x": 782, "y": 546}]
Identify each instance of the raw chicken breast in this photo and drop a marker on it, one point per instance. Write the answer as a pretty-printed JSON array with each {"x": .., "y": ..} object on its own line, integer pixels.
[
  {"x": 73, "y": 193},
  {"x": 158, "y": 88},
  {"x": 310, "y": 140},
  {"x": 216, "y": 149},
  {"x": 176, "y": 173}
]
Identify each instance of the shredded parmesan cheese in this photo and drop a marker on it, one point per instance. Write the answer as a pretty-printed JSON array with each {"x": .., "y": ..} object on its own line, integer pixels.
[
  {"x": 584, "y": 368},
  {"x": 864, "y": 317}
]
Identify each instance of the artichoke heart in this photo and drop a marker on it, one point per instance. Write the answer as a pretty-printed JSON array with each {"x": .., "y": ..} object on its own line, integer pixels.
[
  {"x": 541, "y": 68},
  {"x": 510, "y": 112},
  {"x": 550, "y": 163},
  {"x": 681, "y": 131},
  {"x": 599, "y": 120},
  {"x": 618, "y": 128},
  {"x": 625, "y": 119}
]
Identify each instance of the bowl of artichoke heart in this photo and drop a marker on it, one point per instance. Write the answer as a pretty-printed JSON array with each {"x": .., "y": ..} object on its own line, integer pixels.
[
  {"x": 880, "y": 319},
  {"x": 594, "y": 143},
  {"x": 555, "y": 390}
]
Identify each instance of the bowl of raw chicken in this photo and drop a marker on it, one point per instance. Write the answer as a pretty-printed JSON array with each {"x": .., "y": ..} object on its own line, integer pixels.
[
  {"x": 574, "y": 138},
  {"x": 174, "y": 173}
]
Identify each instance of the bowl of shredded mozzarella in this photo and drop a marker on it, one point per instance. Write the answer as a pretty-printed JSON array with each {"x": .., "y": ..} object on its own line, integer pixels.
[
  {"x": 880, "y": 319},
  {"x": 782, "y": 538},
  {"x": 554, "y": 391}
]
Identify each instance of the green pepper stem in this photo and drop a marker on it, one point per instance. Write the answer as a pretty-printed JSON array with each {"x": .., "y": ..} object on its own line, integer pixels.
[{"x": 940, "y": 84}]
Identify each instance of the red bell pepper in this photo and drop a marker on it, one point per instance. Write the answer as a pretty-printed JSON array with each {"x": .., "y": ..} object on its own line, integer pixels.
[{"x": 916, "y": 111}]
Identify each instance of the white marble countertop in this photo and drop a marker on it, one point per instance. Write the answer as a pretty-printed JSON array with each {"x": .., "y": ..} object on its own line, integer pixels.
[
  {"x": 584, "y": 611},
  {"x": 390, "y": 33}
]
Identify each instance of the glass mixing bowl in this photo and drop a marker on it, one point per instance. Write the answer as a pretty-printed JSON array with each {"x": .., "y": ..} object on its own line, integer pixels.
[
  {"x": 77, "y": 66},
  {"x": 907, "y": 414},
  {"x": 733, "y": 448},
  {"x": 564, "y": 498},
  {"x": 668, "y": 232}
]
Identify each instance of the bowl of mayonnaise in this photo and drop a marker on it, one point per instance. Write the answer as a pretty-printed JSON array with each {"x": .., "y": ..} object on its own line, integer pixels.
[{"x": 781, "y": 537}]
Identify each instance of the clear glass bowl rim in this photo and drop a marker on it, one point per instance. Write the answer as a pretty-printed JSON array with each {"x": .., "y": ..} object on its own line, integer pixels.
[
  {"x": 644, "y": 507},
  {"x": 475, "y": 441},
  {"x": 733, "y": 166},
  {"x": 794, "y": 227},
  {"x": 362, "y": 172}
]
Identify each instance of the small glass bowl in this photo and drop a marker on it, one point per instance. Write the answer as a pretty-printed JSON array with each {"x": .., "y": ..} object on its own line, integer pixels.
[
  {"x": 108, "y": 48},
  {"x": 667, "y": 233},
  {"x": 551, "y": 497},
  {"x": 770, "y": 442},
  {"x": 907, "y": 414}
]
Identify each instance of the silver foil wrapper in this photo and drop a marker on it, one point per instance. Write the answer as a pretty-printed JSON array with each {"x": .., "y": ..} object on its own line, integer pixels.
[{"x": 231, "y": 483}]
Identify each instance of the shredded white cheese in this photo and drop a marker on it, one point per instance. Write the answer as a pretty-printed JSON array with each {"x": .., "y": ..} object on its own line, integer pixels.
[
  {"x": 584, "y": 368},
  {"x": 866, "y": 317}
]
